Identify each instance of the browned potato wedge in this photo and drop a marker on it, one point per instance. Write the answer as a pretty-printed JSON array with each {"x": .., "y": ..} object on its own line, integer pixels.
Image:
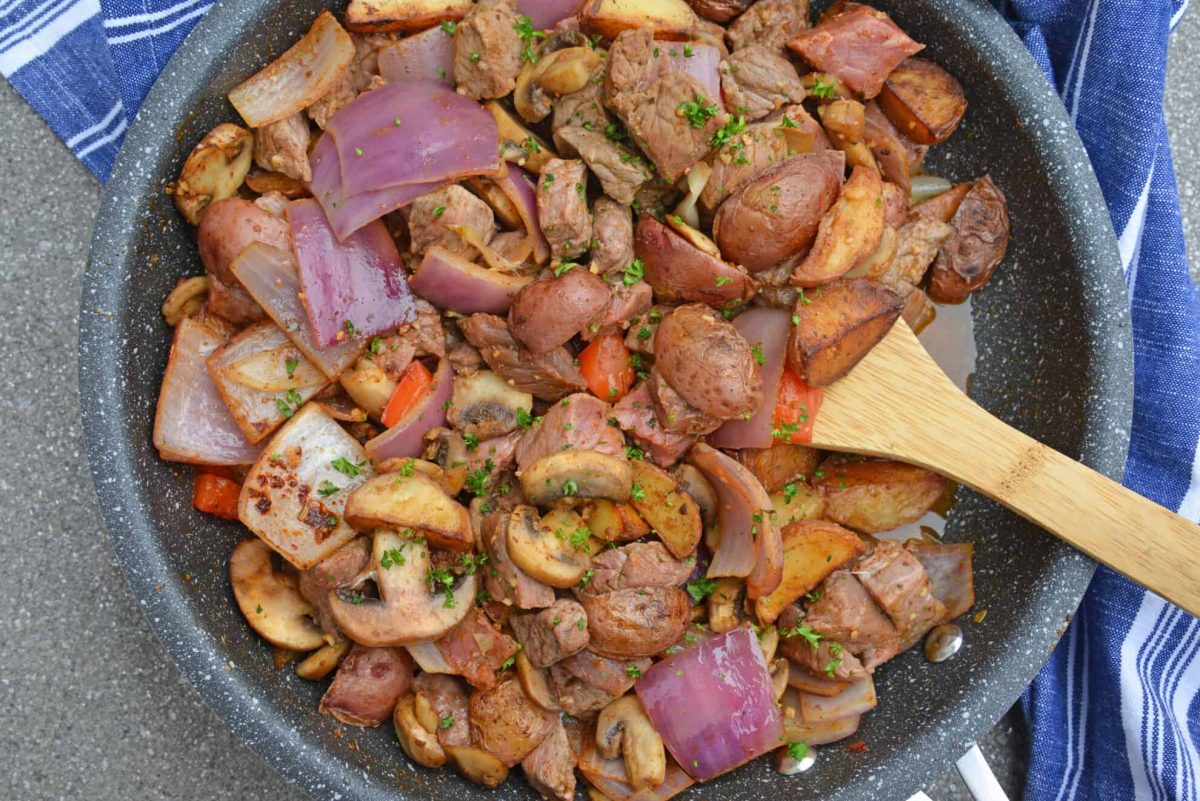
[
  {"x": 379, "y": 16},
  {"x": 669, "y": 19},
  {"x": 270, "y": 599},
  {"x": 554, "y": 550},
  {"x": 615, "y": 522},
  {"x": 213, "y": 170},
  {"x": 398, "y": 502},
  {"x": 848, "y": 232},
  {"x": 923, "y": 101},
  {"x": 798, "y": 501},
  {"x": 942, "y": 207},
  {"x": 873, "y": 495},
  {"x": 812, "y": 549},
  {"x": 977, "y": 246},
  {"x": 368, "y": 386},
  {"x": 838, "y": 326},
  {"x": 779, "y": 464},
  {"x": 636, "y": 622},
  {"x": 670, "y": 511}
]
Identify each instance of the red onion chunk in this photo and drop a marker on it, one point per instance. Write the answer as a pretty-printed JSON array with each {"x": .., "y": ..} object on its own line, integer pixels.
[
  {"x": 703, "y": 65},
  {"x": 545, "y": 14},
  {"x": 769, "y": 329},
  {"x": 743, "y": 512},
  {"x": 412, "y": 132},
  {"x": 269, "y": 275},
  {"x": 406, "y": 437},
  {"x": 356, "y": 286},
  {"x": 192, "y": 423},
  {"x": 427, "y": 56},
  {"x": 738, "y": 719},
  {"x": 451, "y": 282},
  {"x": 347, "y": 214}
]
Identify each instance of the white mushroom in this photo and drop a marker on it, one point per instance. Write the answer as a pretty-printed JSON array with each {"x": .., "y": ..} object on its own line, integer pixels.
[
  {"x": 419, "y": 743},
  {"x": 624, "y": 728},
  {"x": 478, "y": 765},
  {"x": 485, "y": 405},
  {"x": 568, "y": 475},
  {"x": 555, "y": 550},
  {"x": 270, "y": 599},
  {"x": 536, "y": 684},
  {"x": 414, "y": 502},
  {"x": 414, "y": 604},
  {"x": 214, "y": 170},
  {"x": 321, "y": 662}
]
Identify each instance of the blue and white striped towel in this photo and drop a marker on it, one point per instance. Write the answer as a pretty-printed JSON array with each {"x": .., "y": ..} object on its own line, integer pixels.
[{"x": 1115, "y": 714}]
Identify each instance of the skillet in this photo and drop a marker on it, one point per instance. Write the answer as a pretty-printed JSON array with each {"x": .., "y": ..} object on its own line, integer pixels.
[{"x": 1055, "y": 359}]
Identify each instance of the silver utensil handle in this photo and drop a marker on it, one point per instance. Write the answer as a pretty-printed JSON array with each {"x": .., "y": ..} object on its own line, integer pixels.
[{"x": 978, "y": 776}]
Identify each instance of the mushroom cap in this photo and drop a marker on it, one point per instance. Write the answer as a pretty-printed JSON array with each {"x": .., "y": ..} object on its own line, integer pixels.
[
  {"x": 270, "y": 599},
  {"x": 406, "y": 611},
  {"x": 577, "y": 474}
]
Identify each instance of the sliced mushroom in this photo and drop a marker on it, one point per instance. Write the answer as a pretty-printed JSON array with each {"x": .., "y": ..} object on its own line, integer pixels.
[
  {"x": 213, "y": 170},
  {"x": 543, "y": 548},
  {"x": 624, "y": 728},
  {"x": 768, "y": 641},
  {"x": 406, "y": 611},
  {"x": 534, "y": 151},
  {"x": 420, "y": 744},
  {"x": 577, "y": 474},
  {"x": 403, "y": 465},
  {"x": 536, "y": 684},
  {"x": 478, "y": 765},
  {"x": 780, "y": 672},
  {"x": 187, "y": 298},
  {"x": 724, "y": 605},
  {"x": 694, "y": 237},
  {"x": 270, "y": 599},
  {"x": 530, "y": 98},
  {"x": 485, "y": 405},
  {"x": 323, "y": 661},
  {"x": 416, "y": 502},
  {"x": 693, "y": 482},
  {"x": 567, "y": 70}
]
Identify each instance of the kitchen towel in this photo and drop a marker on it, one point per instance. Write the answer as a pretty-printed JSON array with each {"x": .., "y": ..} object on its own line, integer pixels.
[{"x": 1115, "y": 714}]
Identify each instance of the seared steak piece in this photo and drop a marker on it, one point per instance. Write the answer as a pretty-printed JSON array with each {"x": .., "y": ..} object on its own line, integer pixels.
[
  {"x": 562, "y": 207},
  {"x": 487, "y": 50},
  {"x": 548, "y": 377}
]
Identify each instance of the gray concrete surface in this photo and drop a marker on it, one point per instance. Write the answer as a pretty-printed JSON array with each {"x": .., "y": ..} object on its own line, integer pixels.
[
  {"x": 91, "y": 706},
  {"x": 1183, "y": 123}
]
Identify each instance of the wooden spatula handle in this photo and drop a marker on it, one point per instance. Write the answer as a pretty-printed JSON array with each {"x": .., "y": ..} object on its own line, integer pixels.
[{"x": 1155, "y": 547}]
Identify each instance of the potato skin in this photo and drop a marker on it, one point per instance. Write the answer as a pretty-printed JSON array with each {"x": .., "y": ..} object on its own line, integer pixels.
[
  {"x": 228, "y": 226},
  {"x": 677, "y": 270},
  {"x": 923, "y": 101},
  {"x": 977, "y": 246},
  {"x": 760, "y": 225},
  {"x": 669, "y": 19},
  {"x": 506, "y": 723},
  {"x": 707, "y": 362},
  {"x": 548, "y": 312},
  {"x": 838, "y": 326},
  {"x": 380, "y": 16},
  {"x": 719, "y": 10},
  {"x": 636, "y": 622},
  {"x": 872, "y": 495},
  {"x": 777, "y": 465}
]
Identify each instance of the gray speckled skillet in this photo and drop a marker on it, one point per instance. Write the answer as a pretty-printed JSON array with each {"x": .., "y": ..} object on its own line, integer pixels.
[{"x": 1054, "y": 360}]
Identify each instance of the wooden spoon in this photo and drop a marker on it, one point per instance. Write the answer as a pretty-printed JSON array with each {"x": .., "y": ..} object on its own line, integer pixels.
[{"x": 898, "y": 403}]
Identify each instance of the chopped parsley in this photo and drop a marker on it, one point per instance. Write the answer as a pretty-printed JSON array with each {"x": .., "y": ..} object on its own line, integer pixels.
[
  {"x": 439, "y": 579},
  {"x": 445, "y": 721},
  {"x": 285, "y": 404},
  {"x": 376, "y": 344},
  {"x": 696, "y": 112},
  {"x": 530, "y": 145},
  {"x": 726, "y": 133},
  {"x": 507, "y": 663},
  {"x": 477, "y": 479},
  {"x": 688, "y": 51},
  {"x": 639, "y": 367},
  {"x": 633, "y": 671},
  {"x": 787, "y": 122},
  {"x": 587, "y": 578},
  {"x": 449, "y": 27},
  {"x": 547, "y": 179},
  {"x": 471, "y": 440},
  {"x": 474, "y": 57},
  {"x": 525, "y": 30},
  {"x": 439, "y": 211},
  {"x": 757, "y": 352},
  {"x": 644, "y": 333},
  {"x": 392, "y": 556},
  {"x": 615, "y": 132},
  {"x": 633, "y": 273},
  {"x": 408, "y": 468},
  {"x": 637, "y": 493},
  {"x": 291, "y": 365},
  {"x": 327, "y": 488},
  {"x": 810, "y": 636},
  {"x": 797, "y": 751},
  {"x": 570, "y": 488},
  {"x": 524, "y": 419},
  {"x": 785, "y": 430},
  {"x": 347, "y": 467},
  {"x": 634, "y": 454},
  {"x": 826, "y": 90},
  {"x": 722, "y": 280},
  {"x": 351, "y": 331},
  {"x": 564, "y": 268},
  {"x": 701, "y": 588},
  {"x": 789, "y": 491}
]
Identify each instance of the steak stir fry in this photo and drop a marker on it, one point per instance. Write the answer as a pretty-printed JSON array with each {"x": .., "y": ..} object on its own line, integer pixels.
[{"x": 511, "y": 335}]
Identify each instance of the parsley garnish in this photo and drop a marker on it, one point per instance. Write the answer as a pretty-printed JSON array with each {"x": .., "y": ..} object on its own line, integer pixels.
[
  {"x": 688, "y": 52},
  {"x": 439, "y": 211},
  {"x": 524, "y": 29},
  {"x": 824, "y": 90},
  {"x": 757, "y": 352},
  {"x": 787, "y": 122},
  {"x": 446, "y": 722},
  {"x": 530, "y": 145},
  {"x": 634, "y": 453},
  {"x": 392, "y": 556},
  {"x": 348, "y": 468},
  {"x": 789, "y": 491},
  {"x": 327, "y": 488},
  {"x": 797, "y": 751},
  {"x": 376, "y": 344},
  {"x": 587, "y": 577},
  {"x": 569, "y": 488},
  {"x": 408, "y": 468},
  {"x": 810, "y": 636},
  {"x": 449, "y": 27},
  {"x": 696, "y": 112},
  {"x": 439, "y": 579},
  {"x": 637, "y": 493},
  {"x": 477, "y": 479},
  {"x": 701, "y": 588},
  {"x": 564, "y": 267},
  {"x": 633, "y": 273},
  {"x": 351, "y": 331},
  {"x": 291, "y": 365},
  {"x": 728, "y": 131},
  {"x": 507, "y": 663},
  {"x": 471, "y": 440},
  {"x": 722, "y": 280},
  {"x": 633, "y": 671},
  {"x": 524, "y": 419},
  {"x": 285, "y": 404}
]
